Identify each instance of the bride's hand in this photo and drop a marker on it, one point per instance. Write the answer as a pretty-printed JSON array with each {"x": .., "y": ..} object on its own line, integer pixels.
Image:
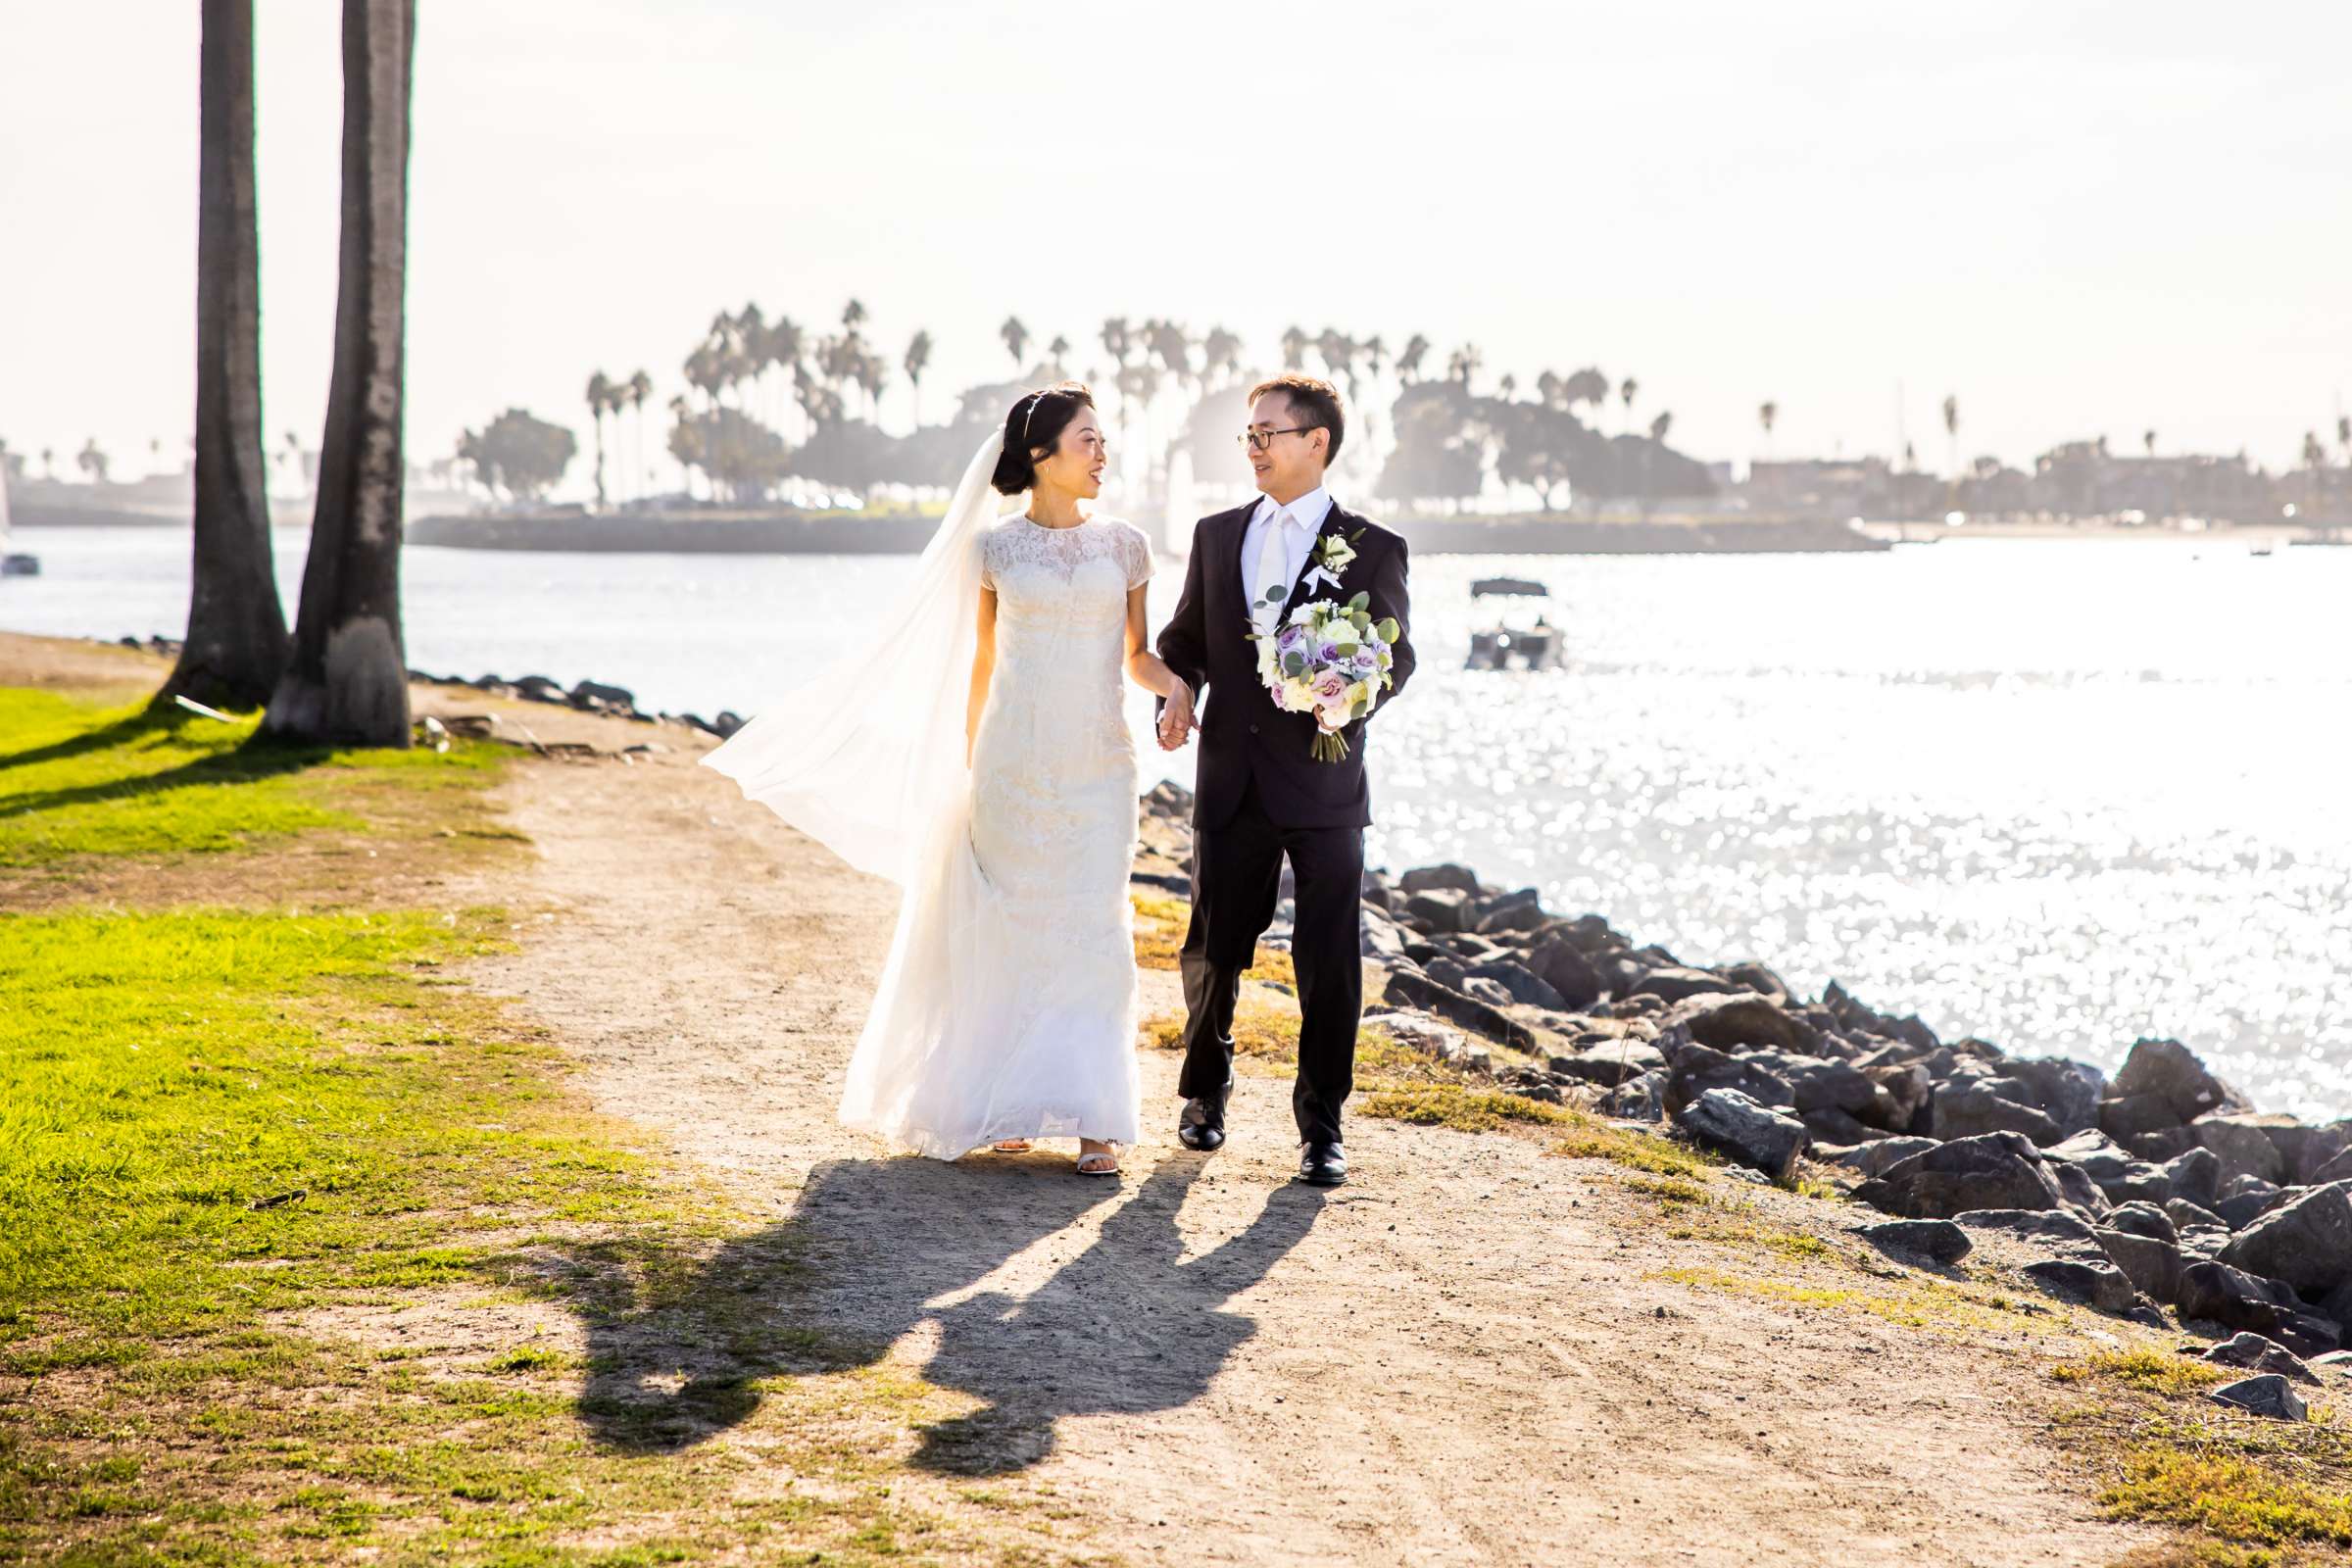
[{"x": 1176, "y": 722}]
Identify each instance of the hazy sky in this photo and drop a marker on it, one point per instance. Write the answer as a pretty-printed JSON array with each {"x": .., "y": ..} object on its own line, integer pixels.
[{"x": 2083, "y": 219}]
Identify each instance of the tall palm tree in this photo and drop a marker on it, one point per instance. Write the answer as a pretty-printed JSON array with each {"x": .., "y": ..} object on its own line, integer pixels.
[
  {"x": 92, "y": 460},
  {"x": 1627, "y": 391},
  {"x": 1410, "y": 358},
  {"x": 1952, "y": 428},
  {"x": 237, "y": 644},
  {"x": 1016, "y": 338},
  {"x": 853, "y": 315},
  {"x": 1055, "y": 351},
  {"x": 1768, "y": 413},
  {"x": 600, "y": 398},
  {"x": 1508, "y": 385},
  {"x": 916, "y": 361},
  {"x": 2343, "y": 436},
  {"x": 1660, "y": 426},
  {"x": 347, "y": 680},
  {"x": 1294, "y": 348},
  {"x": 48, "y": 463},
  {"x": 2148, "y": 438},
  {"x": 640, "y": 387}
]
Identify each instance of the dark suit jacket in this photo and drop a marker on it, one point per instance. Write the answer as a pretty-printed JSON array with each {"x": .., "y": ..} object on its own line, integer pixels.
[{"x": 1243, "y": 734}]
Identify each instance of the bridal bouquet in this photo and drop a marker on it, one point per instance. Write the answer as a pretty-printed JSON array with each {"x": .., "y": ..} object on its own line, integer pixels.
[{"x": 1331, "y": 660}]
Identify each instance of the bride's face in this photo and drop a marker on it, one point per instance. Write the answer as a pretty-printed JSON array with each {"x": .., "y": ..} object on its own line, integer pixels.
[{"x": 1078, "y": 458}]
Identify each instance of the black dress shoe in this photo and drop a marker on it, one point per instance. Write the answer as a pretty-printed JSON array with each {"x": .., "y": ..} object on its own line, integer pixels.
[
  {"x": 1322, "y": 1164},
  {"x": 1200, "y": 1125}
]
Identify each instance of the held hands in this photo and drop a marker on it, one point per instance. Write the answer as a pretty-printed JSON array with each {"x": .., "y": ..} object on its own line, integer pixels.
[{"x": 1176, "y": 720}]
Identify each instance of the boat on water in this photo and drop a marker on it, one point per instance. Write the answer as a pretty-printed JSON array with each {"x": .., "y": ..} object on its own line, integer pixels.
[
  {"x": 13, "y": 563},
  {"x": 1514, "y": 640}
]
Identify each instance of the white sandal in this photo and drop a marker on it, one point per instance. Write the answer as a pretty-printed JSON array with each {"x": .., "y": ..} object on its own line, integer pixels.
[{"x": 1109, "y": 1153}]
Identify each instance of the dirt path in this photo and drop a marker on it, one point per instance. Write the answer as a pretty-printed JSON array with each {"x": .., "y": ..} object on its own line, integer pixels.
[{"x": 1464, "y": 1357}]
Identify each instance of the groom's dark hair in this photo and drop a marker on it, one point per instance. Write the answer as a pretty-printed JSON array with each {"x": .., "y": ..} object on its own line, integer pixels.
[{"x": 1314, "y": 405}]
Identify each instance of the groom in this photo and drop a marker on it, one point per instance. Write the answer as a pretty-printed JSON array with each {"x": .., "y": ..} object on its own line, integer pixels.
[{"x": 1259, "y": 795}]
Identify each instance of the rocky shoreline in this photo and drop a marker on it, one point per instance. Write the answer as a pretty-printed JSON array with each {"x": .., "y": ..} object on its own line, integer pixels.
[{"x": 2160, "y": 1193}]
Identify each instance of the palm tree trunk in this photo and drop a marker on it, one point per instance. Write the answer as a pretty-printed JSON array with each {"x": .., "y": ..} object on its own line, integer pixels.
[
  {"x": 237, "y": 642},
  {"x": 348, "y": 681}
]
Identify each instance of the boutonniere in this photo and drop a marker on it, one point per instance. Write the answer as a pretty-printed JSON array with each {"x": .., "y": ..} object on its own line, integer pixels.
[{"x": 1331, "y": 555}]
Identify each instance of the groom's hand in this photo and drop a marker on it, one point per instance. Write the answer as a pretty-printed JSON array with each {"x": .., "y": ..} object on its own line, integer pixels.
[{"x": 1176, "y": 722}]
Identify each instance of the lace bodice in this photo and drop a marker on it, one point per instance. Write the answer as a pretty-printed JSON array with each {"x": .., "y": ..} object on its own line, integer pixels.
[{"x": 1038, "y": 560}]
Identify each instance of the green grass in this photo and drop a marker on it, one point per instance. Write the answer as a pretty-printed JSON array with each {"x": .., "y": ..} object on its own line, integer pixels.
[
  {"x": 83, "y": 780},
  {"x": 238, "y": 1141},
  {"x": 1459, "y": 1107}
]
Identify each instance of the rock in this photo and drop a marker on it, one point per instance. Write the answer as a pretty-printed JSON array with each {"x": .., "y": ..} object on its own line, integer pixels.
[
  {"x": 2080, "y": 1190},
  {"x": 2268, "y": 1394},
  {"x": 1407, "y": 988},
  {"x": 1641, "y": 1098},
  {"x": 1512, "y": 912},
  {"x": 2305, "y": 1241},
  {"x": 1965, "y": 1108},
  {"x": 2044, "y": 1225},
  {"x": 2195, "y": 1175},
  {"x": 2106, "y": 1288},
  {"x": 2064, "y": 1090},
  {"x": 1936, "y": 1239},
  {"x": 1562, "y": 965},
  {"x": 1829, "y": 1125},
  {"x": 597, "y": 697},
  {"x": 1816, "y": 1083},
  {"x": 1738, "y": 1127},
  {"x": 2304, "y": 1148},
  {"x": 1521, "y": 986},
  {"x": 1422, "y": 1033},
  {"x": 1903, "y": 1092},
  {"x": 2127, "y": 1117},
  {"x": 1758, "y": 978},
  {"x": 1438, "y": 908},
  {"x": 1699, "y": 1068},
  {"x": 1613, "y": 1063},
  {"x": 1674, "y": 983},
  {"x": 1873, "y": 1158},
  {"x": 2255, "y": 1353},
  {"x": 2153, "y": 1265},
  {"x": 1383, "y": 940},
  {"x": 2169, "y": 1069},
  {"x": 2236, "y": 1300},
  {"x": 1729, "y": 1022},
  {"x": 2142, "y": 1220},
  {"x": 2241, "y": 1143},
  {"x": 2335, "y": 1365},
  {"x": 2243, "y": 1209},
  {"x": 1436, "y": 879},
  {"x": 2336, "y": 1168},
  {"x": 2164, "y": 1144},
  {"x": 1994, "y": 1170}
]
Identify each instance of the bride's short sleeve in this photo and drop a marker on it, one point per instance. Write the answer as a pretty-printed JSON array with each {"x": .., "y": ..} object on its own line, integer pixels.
[
  {"x": 1135, "y": 555},
  {"x": 988, "y": 560}
]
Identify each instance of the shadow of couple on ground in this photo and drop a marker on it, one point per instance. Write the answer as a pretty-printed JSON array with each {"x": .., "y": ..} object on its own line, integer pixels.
[{"x": 876, "y": 1248}]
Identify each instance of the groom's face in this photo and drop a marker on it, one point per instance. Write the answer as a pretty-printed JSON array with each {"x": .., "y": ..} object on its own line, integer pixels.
[{"x": 1291, "y": 463}]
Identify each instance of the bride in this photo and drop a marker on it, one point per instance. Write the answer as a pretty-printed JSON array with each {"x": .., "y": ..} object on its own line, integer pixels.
[{"x": 1005, "y": 808}]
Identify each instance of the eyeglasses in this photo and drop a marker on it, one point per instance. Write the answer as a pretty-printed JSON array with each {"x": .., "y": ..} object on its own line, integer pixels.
[{"x": 1259, "y": 440}]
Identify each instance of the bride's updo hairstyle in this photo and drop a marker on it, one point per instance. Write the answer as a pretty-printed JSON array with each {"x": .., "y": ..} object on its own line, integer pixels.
[{"x": 1033, "y": 429}]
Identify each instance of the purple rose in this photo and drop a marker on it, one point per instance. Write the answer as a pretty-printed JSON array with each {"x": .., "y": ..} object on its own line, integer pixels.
[{"x": 1330, "y": 687}]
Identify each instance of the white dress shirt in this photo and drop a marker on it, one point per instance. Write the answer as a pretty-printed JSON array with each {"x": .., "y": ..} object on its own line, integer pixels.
[{"x": 1302, "y": 519}]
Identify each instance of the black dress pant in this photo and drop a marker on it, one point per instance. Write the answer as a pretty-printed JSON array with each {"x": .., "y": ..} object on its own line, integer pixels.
[{"x": 1236, "y": 877}]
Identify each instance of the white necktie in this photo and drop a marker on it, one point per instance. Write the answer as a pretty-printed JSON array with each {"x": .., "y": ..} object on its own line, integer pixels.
[{"x": 1273, "y": 570}]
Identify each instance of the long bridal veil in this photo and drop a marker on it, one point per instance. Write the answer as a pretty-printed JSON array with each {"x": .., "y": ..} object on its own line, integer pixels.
[{"x": 868, "y": 759}]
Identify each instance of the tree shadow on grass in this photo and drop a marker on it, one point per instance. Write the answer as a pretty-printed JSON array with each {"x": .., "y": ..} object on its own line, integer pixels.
[
  {"x": 259, "y": 757},
  {"x": 878, "y": 1248}
]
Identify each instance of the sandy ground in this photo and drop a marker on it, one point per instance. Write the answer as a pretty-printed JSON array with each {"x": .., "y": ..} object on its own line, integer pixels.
[{"x": 1465, "y": 1356}]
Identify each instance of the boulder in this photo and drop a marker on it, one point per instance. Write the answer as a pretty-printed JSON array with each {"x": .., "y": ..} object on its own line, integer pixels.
[
  {"x": 1612, "y": 1063},
  {"x": 2243, "y": 1209},
  {"x": 2336, "y": 1168},
  {"x": 1381, "y": 940},
  {"x": 1903, "y": 1091},
  {"x": 2094, "y": 1280},
  {"x": 1817, "y": 1083},
  {"x": 1560, "y": 964},
  {"x": 2124, "y": 1117},
  {"x": 2195, "y": 1175},
  {"x": 2304, "y": 1148},
  {"x": 2305, "y": 1241},
  {"x": 1745, "y": 1021},
  {"x": 2170, "y": 1070},
  {"x": 2242, "y": 1144},
  {"x": 1409, "y": 988},
  {"x": 1829, "y": 1125},
  {"x": 1440, "y": 878},
  {"x": 2152, "y": 1263},
  {"x": 1759, "y": 978},
  {"x": 2253, "y": 1352},
  {"x": 2141, "y": 1219},
  {"x": 2238, "y": 1300},
  {"x": 1438, "y": 908},
  {"x": 1641, "y": 1098},
  {"x": 1995, "y": 1170},
  {"x": 2049, "y": 1227},
  {"x": 1967, "y": 1108},
  {"x": 1675, "y": 982},
  {"x": 2064, "y": 1090},
  {"x": 2107, "y": 1161},
  {"x": 1939, "y": 1241},
  {"x": 2080, "y": 1190},
  {"x": 2335, "y": 1365},
  {"x": 2165, "y": 1142},
  {"x": 2267, "y": 1394},
  {"x": 1700, "y": 1068},
  {"x": 1738, "y": 1127},
  {"x": 1523, "y": 988}
]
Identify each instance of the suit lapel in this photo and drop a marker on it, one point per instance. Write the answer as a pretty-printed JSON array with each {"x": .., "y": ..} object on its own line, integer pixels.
[
  {"x": 1335, "y": 524},
  {"x": 1231, "y": 563}
]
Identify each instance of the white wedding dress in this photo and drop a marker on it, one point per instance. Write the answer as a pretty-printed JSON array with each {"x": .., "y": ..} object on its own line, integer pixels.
[{"x": 1007, "y": 1007}]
